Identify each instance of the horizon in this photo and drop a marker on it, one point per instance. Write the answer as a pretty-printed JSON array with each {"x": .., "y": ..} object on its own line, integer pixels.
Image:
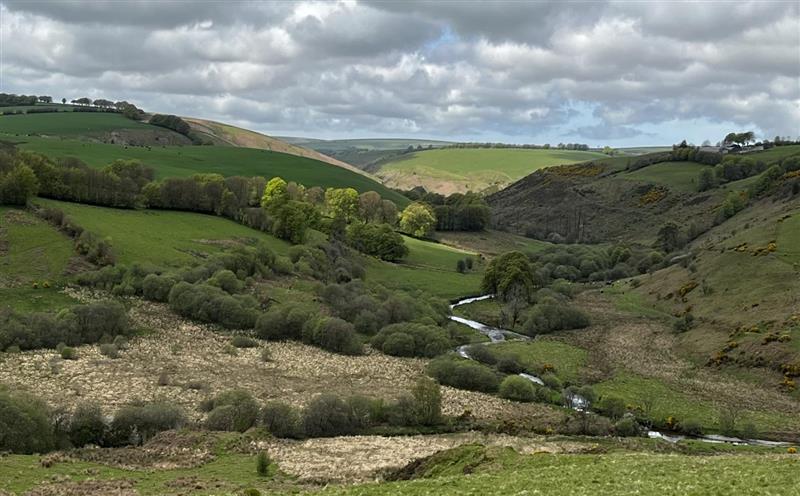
[{"x": 600, "y": 73}]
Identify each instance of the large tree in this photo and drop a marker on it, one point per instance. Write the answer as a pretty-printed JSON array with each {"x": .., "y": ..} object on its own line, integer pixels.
[
  {"x": 342, "y": 203},
  {"x": 417, "y": 220}
]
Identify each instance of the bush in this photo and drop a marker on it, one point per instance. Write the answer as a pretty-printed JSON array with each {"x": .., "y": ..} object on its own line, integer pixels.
[
  {"x": 241, "y": 341},
  {"x": 510, "y": 365},
  {"x": 109, "y": 350},
  {"x": 87, "y": 426},
  {"x": 428, "y": 401},
  {"x": 691, "y": 427},
  {"x": 627, "y": 427},
  {"x": 412, "y": 339},
  {"x": 612, "y": 406},
  {"x": 262, "y": 463},
  {"x": 283, "y": 321},
  {"x": 378, "y": 240},
  {"x": 326, "y": 416},
  {"x": 210, "y": 304},
  {"x": 137, "y": 423},
  {"x": 157, "y": 288},
  {"x": 24, "y": 424},
  {"x": 464, "y": 374},
  {"x": 69, "y": 353},
  {"x": 334, "y": 335},
  {"x": 482, "y": 353},
  {"x": 226, "y": 281},
  {"x": 517, "y": 388},
  {"x": 280, "y": 419},
  {"x": 232, "y": 411},
  {"x": 551, "y": 316}
]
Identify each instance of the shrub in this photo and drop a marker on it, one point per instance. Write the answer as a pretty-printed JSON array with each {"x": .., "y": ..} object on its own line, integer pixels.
[
  {"x": 428, "y": 341},
  {"x": 482, "y": 353},
  {"x": 24, "y": 424},
  {"x": 109, "y": 350},
  {"x": 691, "y": 427},
  {"x": 282, "y": 322},
  {"x": 510, "y": 365},
  {"x": 552, "y": 381},
  {"x": 517, "y": 388},
  {"x": 266, "y": 356},
  {"x": 428, "y": 399},
  {"x": 87, "y": 425},
  {"x": 234, "y": 410},
  {"x": 626, "y": 427},
  {"x": 551, "y": 316},
  {"x": 210, "y": 304},
  {"x": 335, "y": 335},
  {"x": 262, "y": 463},
  {"x": 226, "y": 281},
  {"x": 69, "y": 353},
  {"x": 464, "y": 374},
  {"x": 326, "y": 416},
  {"x": 157, "y": 288},
  {"x": 241, "y": 341},
  {"x": 612, "y": 406},
  {"x": 280, "y": 419},
  {"x": 378, "y": 240},
  {"x": 137, "y": 423}
]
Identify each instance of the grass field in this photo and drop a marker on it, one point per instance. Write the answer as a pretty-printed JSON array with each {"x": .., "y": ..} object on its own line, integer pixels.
[
  {"x": 789, "y": 239},
  {"x": 182, "y": 161},
  {"x": 31, "y": 249},
  {"x": 491, "y": 242},
  {"x": 566, "y": 359},
  {"x": 458, "y": 169},
  {"x": 430, "y": 267},
  {"x": 163, "y": 238},
  {"x": 70, "y": 124},
  {"x": 681, "y": 176}
]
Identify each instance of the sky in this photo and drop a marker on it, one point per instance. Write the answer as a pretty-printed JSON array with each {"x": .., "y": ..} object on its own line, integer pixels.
[{"x": 603, "y": 73}]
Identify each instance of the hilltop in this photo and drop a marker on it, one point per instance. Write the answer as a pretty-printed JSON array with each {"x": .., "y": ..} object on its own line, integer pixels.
[{"x": 450, "y": 170}]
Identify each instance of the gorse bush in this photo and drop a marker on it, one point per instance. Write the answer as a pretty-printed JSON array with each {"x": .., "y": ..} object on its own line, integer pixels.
[
  {"x": 280, "y": 419},
  {"x": 283, "y": 321},
  {"x": 87, "y": 425},
  {"x": 328, "y": 415},
  {"x": 333, "y": 334}
]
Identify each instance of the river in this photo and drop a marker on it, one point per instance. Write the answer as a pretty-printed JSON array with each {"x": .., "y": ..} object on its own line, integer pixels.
[{"x": 576, "y": 402}]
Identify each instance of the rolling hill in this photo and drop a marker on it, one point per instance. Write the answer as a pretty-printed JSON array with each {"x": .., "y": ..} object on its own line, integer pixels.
[
  {"x": 100, "y": 138},
  {"x": 453, "y": 170}
]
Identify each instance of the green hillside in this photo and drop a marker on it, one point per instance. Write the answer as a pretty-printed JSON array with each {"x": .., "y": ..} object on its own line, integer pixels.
[
  {"x": 182, "y": 161},
  {"x": 461, "y": 169},
  {"x": 62, "y": 123},
  {"x": 682, "y": 176}
]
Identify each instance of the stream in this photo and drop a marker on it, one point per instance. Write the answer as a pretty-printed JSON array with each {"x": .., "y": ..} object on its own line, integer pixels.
[{"x": 576, "y": 402}]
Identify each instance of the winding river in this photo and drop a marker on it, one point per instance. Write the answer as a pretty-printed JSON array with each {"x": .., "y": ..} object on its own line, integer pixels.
[{"x": 576, "y": 402}]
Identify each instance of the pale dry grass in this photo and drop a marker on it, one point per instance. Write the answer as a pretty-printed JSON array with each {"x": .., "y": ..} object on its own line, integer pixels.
[
  {"x": 198, "y": 362},
  {"x": 369, "y": 457}
]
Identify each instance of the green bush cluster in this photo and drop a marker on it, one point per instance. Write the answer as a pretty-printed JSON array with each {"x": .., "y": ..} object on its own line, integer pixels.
[
  {"x": 81, "y": 324},
  {"x": 464, "y": 374},
  {"x": 412, "y": 339}
]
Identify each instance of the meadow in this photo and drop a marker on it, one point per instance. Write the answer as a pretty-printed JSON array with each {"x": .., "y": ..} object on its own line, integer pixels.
[
  {"x": 461, "y": 169},
  {"x": 67, "y": 123},
  {"x": 680, "y": 176}
]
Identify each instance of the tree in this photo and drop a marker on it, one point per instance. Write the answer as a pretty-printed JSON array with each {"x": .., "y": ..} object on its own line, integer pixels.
[
  {"x": 45, "y": 99},
  {"x": 706, "y": 179},
  {"x": 609, "y": 151},
  {"x": 63, "y": 101},
  {"x": 18, "y": 185},
  {"x": 342, "y": 203},
  {"x": 370, "y": 208},
  {"x": 668, "y": 238},
  {"x": 417, "y": 220},
  {"x": 510, "y": 276},
  {"x": 428, "y": 401},
  {"x": 275, "y": 194}
]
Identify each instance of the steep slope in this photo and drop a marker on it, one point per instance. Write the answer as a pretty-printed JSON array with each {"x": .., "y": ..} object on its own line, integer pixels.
[
  {"x": 224, "y": 134},
  {"x": 604, "y": 201}
]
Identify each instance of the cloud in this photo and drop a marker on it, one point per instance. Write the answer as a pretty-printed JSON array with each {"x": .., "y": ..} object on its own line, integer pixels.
[{"x": 516, "y": 71}]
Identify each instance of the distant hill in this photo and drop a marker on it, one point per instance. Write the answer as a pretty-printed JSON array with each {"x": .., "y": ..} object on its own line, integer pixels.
[
  {"x": 371, "y": 144},
  {"x": 451, "y": 170}
]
